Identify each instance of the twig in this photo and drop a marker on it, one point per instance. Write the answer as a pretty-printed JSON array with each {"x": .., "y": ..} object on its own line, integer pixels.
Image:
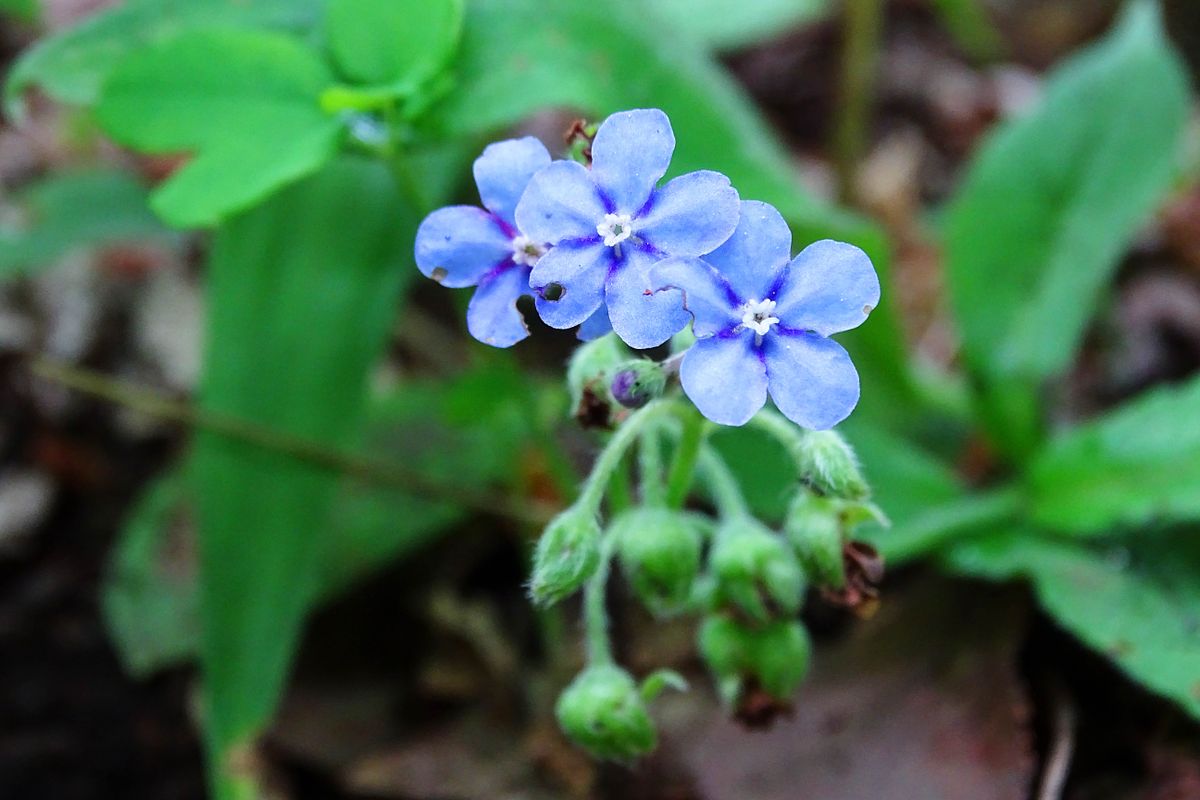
[
  {"x": 860, "y": 52},
  {"x": 370, "y": 470},
  {"x": 1062, "y": 748}
]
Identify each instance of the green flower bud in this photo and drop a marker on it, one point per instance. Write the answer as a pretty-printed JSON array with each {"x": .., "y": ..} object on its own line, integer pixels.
[
  {"x": 566, "y": 556},
  {"x": 813, "y": 526},
  {"x": 830, "y": 464},
  {"x": 725, "y": 647},
  {"x": 588, "y": 375},
  {"x": 772, "y": 659},
  {"x": 637, "y": 382},
  {"x": 603, "y": 712},
  {"x": 756, "y": 571},
  {"x": 659, "y": 550},
  {"x": 780, "y": 657}
]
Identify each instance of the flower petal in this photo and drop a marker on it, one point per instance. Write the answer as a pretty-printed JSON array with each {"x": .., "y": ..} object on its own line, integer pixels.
[
  {"x": 830, "y": 287},
  {"x": 561, "y": 203},
  {"x": 725, "y": 377},
  {"x": 755, "y": 255},
  {"x": 691, "y": 215},
  {"x": 630, "y": 153},
  {"x": 702, "y": 291},
  {"x": 492, "y": 315},
  {"x": 639, "y": 315},
  {"x": 576, "y": 274},
  {"x": 503, "y": 171},
  {"x": 458, "y": 245},
  {"x": 812, "y": 380},
  {"x": 595, "y": 326}
]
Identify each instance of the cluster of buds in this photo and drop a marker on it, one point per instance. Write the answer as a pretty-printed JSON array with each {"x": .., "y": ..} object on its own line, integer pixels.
[{"x": 744, "y": 581}]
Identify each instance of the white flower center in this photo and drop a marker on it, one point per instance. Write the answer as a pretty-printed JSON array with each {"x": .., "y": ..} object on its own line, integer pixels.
[
  {"x": 615, "y": 229},
  {"x": 526, "y": 251},
  {"x": 757, "y": 316}
]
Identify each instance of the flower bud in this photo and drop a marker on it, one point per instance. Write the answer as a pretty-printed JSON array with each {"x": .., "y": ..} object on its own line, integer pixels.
[
  {"x": 566, "y": 556},
  {"x": 588, "y": 375},
  {"x": 659, "y": 550},
  {"x": 772, "y": 659},
  {"x": 637, "y": 382},
  {"x": 813, "y": 526},
  {"x": 831, "y": 466},
  {"x": 603, "y": 711},
  {"x": 756, "y": 571}
]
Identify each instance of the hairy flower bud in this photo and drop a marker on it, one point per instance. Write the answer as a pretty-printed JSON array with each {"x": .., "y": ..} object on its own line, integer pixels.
[
  {"x": 756, "y": 571},
  {"x": 831, "y": 466},
  {"x": 566, "y": 555},
  {"x": 604, "y": 712},
  {"x": 813, "y": 526},
  {"x": 637, "y": 382},
  {"x": 659, "y": 550},
  {"x": 588, "y": 375},
  {"x": 773, "y": 658}
]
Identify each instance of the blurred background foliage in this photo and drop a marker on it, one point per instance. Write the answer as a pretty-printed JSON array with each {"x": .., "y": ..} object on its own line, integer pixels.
[{"x": 1018, "y": 422}]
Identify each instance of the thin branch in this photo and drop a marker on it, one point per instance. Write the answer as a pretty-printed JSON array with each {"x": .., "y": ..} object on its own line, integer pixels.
[{"x": 369, "y": 470}]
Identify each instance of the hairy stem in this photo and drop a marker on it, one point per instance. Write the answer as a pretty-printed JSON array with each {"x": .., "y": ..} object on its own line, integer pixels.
[
  {"x": 726, "y": 492},
  {"x": 683, "y": 466},
  {"x": 595, "y": 614},
  {"x": 610, "y": 457},
  {"x": 650, "y": 469}
]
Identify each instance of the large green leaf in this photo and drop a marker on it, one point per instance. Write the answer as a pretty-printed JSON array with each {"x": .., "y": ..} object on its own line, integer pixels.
[
  {"x": 463, "y": 434},
  {"x": 302, "y": 293},
  {"x": 71, "y": 210},
  {"x": 245, "y": 102},
  {"x": 25, "y": 10},
  {"x": 1139, "y": 604},
  {"x": 729, "y": 24},
  {"x": 1137, "y": 465},
  {"x": 400, "y": 43},
  {"x": 604, "y": 57},
  {"x": 72, "y": 65},
  {"x": 1048, "y": 208},
  {"x": 151, "y": 606}
]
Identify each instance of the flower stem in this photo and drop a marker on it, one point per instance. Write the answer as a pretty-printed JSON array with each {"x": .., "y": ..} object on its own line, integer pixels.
[
  {"x": 683, "y": 466},
  {"x": 610, "y": 457},
  {"x": 595, "y": 614},
  {"x": 650, "y": 469},
  {"x": 782, "y": 430},
  {"x": 726, "y": 492}
]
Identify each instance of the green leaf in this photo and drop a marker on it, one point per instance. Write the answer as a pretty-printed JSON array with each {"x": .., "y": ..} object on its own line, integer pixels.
[
  {"x": 72, "y": 65},
  {"x": 730, "y": 24},
  {"x": 150, "y": 602},
  {"x": 967, "y": 21},
  {"x": 604, "y": 57},
  {"x": 24, "y": 10},
  {"x": 1137, "y": 604},
  {"x": 302, "y": 294},
  {"x": 1139, "y": 464},
  {"x": 75, "y": 210},
  {"x": 400, "y": 43},
  {"x": 151, "y": 593},
  {"x": 1050, "y": 205},
  {"x": 247, "y": 103}
]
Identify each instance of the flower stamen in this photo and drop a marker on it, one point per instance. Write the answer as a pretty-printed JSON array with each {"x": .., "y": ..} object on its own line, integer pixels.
[
  {"x": 615, "y": 229},
  {"x": 757, "y": 316},
  {"x": 525, "y": 251}
]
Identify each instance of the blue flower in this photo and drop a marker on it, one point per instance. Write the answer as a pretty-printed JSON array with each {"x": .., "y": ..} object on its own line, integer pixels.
[
  {"x": 462, "y": 246},
  {"x": 609, "y": 225},
  {"x": 762, "y": 319}
]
